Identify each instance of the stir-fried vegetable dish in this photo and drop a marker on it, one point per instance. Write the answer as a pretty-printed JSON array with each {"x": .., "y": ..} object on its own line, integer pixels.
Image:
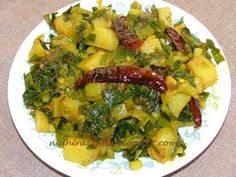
[{"x": 109, "y": 83}]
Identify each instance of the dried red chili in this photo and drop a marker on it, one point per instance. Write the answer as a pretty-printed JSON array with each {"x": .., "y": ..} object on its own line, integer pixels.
[
  {"x": 177, "y": 40},
  {"x": 126, "y": 38},
  {"x": 123, "y": 74},
  {"x": 197, "y": 116}
]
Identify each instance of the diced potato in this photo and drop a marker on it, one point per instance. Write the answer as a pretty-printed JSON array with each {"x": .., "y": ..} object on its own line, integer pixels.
[
  {"x": 76, "y": 150},
  {"x": 134, "y": 12},
  {"x": 168, "y": 135},
  {"x": 77, "y": 11},
  {"x": 76, "y": 15},
  {"x": 67, "y": 24},
  {"x": 199, "y": 85},
  {"x": 204, "y": 70},
  {"x": 188, "y": 89},
  {"x": 37, "y": 52},
  {"x": 175, "y": 101},
  {"x": 63, "y": 26},
  {"x": 164, "y": 144},
  {"x": 120, "y": 112},
  {"x": 91, "y": 62},
  {"x": 81, "y": 118},
  {"x": 178, "y": 102},
  {"x": 93, "y": 91},
  {"x": 104, "y": 39},
  {"x": 150, "y": 45},
  {"x": 107, "y": 152},
  {"x": 91, "y": 50},
  {"x": 66, "y": 107},
  {"x": 171, "y": 83},
  {"x": 71, "y": 108},
  {"x": 99, "y": 3},
  {"x": 51, "y": 128},
  {"x": 135, "y": 165},
  {"x": 54, "y": 106},
  {"x": 198, "y": 52},
  {"x": 41, "y": 122},
  {"x": 165, "y": 16},
  {"x": 65, "y": 43},
  {"x": 180, "y": 27},
  {"x": 99, "y": 22},
  {"x": 177, "y": 96},
  {"x": 155, "y": 154}
]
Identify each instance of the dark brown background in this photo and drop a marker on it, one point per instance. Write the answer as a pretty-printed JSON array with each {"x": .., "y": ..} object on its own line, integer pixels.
[{"x": 19, "y": 17}]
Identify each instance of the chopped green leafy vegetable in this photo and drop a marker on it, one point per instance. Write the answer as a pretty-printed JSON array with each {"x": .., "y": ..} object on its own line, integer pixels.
[
  {"x": 148, "y": 98},
  {"x": 113, "y": 96},
  {"x": 191, "y": 40},
  {"x": 218, "y": 57},
  {"x": 49, "y": 18},
  {"x": 97, "y": 118}
]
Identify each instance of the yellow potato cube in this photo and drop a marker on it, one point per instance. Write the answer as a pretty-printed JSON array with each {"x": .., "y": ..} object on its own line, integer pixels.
[
  {"x": 93, "y": 91},
  {"x": 37, "y": 52},
  {"x": 171, "y": 83},
  {"x": 41, "y": 122},
  {"x": 188, "y": 89},
  {"x": 104, "y": 39},
  {"x": 175, "y": 101},
  {"x": 99, "y": 22},
  {"x": 76, "y": 150},
  {"x": 204, "y": 70},
  {"x": 150, "y": 45},
  {"x": 65, "y": 43},
  {"x": 64, "y": 27},
  {"x": 91, "y": 62},
  {"x": 180, "y": 27},
  {"x": 64, "y": 106},
  {"x": 165, "y": 16},
  {"x": 164, "y": 144}
]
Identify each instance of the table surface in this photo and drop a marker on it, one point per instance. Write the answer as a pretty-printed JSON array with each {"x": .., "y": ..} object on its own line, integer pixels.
[{"x": 18, "y": 18}]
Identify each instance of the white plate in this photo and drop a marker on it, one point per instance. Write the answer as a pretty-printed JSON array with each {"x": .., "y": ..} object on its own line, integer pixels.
[{"x": 196, "y": 140}]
